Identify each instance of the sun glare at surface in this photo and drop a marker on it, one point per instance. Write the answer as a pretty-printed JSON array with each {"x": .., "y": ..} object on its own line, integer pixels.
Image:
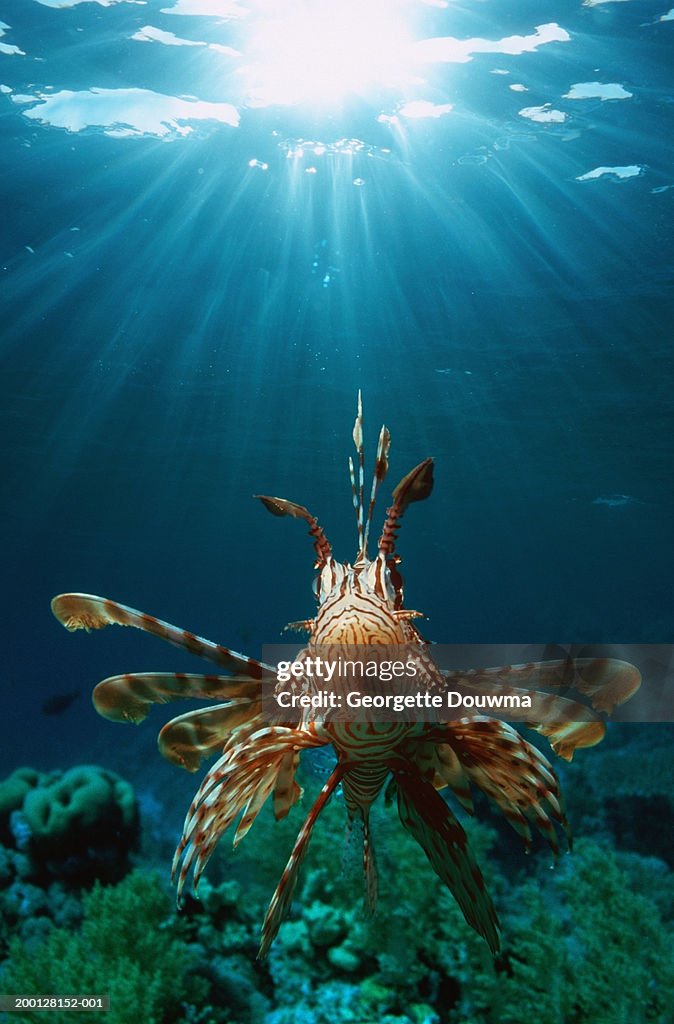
[{"x": 320, "y": 52}]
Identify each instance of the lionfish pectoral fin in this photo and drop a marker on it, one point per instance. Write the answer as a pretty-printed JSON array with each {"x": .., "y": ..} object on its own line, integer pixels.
[
  {"x": 359, "y": 824},
  {"x": 567, "y": 737},
  {"x": 606, "y": 683},
  {"x": 553, "y": 688},
  {"x": 192, "y": 738},
  {"x": 253, "y": 762},
  {"x": 429, "y": 820},
  {"x": 87, "y": 611},
  {"x": 287, "y": 791},
  {"x": 511, "y": 772},
  {"x": 280, "y": 901},
  {"x": 129, "y": 697}
]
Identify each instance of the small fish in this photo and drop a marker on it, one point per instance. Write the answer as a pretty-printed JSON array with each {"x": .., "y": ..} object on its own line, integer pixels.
[
  {"x": 59, "y": 702},
  {"x": 617, "y": 500},
  {"x": 321, "y": 762}
]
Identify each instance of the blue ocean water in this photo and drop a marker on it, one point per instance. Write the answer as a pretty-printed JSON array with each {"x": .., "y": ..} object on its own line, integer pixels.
[
  {"x": 201, "y": 264},
  {"x": 181, "y": 329}
]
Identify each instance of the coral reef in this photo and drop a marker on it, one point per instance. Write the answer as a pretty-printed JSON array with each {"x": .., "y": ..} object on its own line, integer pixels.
[
  {"x": 123, "y": 948},
  {"x": 81, "y": 823},
  {"x": 587, "y": 943},
  {"x": 13, "y": 792},
  {"x": 627, "y": 793},
  {"x": 572, "y": 953}
]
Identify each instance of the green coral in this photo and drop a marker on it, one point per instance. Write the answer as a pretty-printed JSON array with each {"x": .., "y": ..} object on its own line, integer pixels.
[
  {"x": 127, "y": 947},
  {"x": 13, "y": 792},
  {"x": 82, "y": 823},
  {"x": 621, "y": 954},
  {"x": 627, "y": 792},
  {"x": 86, "y": 801},
  {"x": 588, "y": 942}
]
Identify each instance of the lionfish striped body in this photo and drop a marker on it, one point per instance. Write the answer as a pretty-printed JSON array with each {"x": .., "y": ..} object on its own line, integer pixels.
[{"x": 359, "y": 604}]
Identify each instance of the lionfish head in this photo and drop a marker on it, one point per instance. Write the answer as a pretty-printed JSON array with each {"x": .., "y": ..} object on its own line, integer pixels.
[{"x": 357, "y": 594}]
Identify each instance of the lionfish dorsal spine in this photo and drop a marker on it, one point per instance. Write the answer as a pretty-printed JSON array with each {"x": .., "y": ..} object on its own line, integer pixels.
[
  {"x": 358, "y": 488},
  {"x": 380, "y": 471}
]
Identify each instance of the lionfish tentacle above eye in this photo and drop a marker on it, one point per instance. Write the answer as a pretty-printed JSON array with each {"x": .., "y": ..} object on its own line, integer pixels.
[
  {"x": 256, "y": 758},
  {"x": 281, "y": 507},
  {"x": 416, "y": 486}
]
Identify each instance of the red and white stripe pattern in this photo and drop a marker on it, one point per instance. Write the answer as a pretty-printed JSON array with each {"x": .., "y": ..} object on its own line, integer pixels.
[{"x": 359, "y": 604}]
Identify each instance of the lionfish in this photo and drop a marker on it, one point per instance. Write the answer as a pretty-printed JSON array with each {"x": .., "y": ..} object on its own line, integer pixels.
[{"x": 359, "y": 603}]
